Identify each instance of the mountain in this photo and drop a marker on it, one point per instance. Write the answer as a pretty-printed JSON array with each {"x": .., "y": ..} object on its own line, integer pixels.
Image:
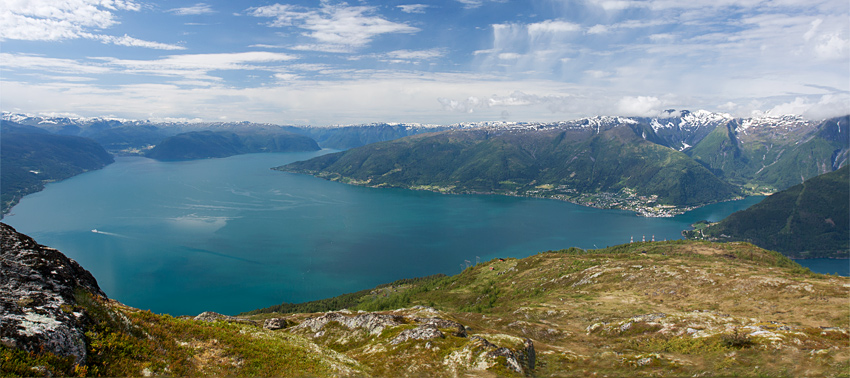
[
  {"x": 808, "y": 220},
  {"x": 32, "y": 157},
  {"x": 647, "y": 165},
  {"x": 770, "y": 154},
  {"x": 121, "y": 136},
  {"x": 130, "y": 139},
  {"x": 217, "y": 144},
  {"x": 681, "y": 308},
  {"x": 616, "y": 160},
  {"x": 345, "y": 137}
]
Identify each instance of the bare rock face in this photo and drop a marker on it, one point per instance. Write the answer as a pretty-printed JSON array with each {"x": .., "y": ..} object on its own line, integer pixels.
[{"x": 37, "y": 287}]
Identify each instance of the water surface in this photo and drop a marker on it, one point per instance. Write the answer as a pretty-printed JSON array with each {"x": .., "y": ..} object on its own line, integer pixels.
[{"x": 231, "y": 235}]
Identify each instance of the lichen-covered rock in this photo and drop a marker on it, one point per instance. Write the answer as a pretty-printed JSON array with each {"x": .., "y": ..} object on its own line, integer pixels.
[
  {"x": 371, "y": 322},
  {"x": 423, "y": 332},
  {"x": 275, "y": 323},
  {"x": 209, "y": 316},
  {"x": 460, "y": 330},
  {"x": 37, "y": 303}
]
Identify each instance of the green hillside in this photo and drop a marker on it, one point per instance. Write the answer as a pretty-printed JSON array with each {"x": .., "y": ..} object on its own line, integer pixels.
[
  {"x": 218, "y": 144},
  {"x": 808, "y": 220},
  {"x": 30, "y": 158},
  {"x": 564, "y": 164}
]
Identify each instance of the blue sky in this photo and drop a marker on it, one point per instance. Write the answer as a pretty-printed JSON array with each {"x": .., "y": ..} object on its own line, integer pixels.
[{"x": 329, "y": 62}]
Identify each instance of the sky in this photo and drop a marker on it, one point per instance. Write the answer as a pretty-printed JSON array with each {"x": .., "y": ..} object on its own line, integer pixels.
[{"x": 322, "y": 62}]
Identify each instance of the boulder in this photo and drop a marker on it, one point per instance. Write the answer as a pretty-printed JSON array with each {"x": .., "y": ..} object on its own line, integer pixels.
[{"x": 37, "y": 297}]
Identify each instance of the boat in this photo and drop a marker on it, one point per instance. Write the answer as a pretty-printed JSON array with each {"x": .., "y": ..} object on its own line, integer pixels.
[{"x": 94, "y": 230}]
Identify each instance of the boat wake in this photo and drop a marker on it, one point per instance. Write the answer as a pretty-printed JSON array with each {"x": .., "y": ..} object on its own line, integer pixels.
[{"x": 96, "y": 231}]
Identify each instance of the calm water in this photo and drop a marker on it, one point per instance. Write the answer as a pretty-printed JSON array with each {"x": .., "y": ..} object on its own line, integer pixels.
[{"x": 231, "y": 235}]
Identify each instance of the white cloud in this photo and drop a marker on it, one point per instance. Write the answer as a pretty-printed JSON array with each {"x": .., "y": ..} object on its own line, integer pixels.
[
  {"x": 551, "y": 26},
  {"x": 45, "y": 20},
  {"x": 198, "y": 66},
  {"x": 126, "y": 40},
  {"x": 640, "y": 106},
  {"x": 336, "y": 28},
  {"x": 830, "y": 105},
  {"x": 197, "y": 9},
  {"x": 413, "y": 8},
  {"x": 509, "y": 56},
  {"x": 470, "y": 4},
  {"x": 27, "y": 62},
  {"x": 597, "y": 29},
  {"x": 414, "y": 55}
]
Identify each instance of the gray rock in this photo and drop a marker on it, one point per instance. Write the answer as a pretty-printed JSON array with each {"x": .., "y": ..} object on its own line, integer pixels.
[
  {"x": 423, "y": 332},
  {"x": 371, "y": 322},
  {"x": 515, "y": 360},
  {"x": 274, "y": 323},
  {"x": 210, "y": 316},
  {"x": 460, "y": 330},
  {"x": 37, "y": 297}
]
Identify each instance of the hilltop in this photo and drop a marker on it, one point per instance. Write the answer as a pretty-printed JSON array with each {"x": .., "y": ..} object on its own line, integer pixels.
[
  {"x": 808, "y": 220},
  {"x": 679, "y": 308}
]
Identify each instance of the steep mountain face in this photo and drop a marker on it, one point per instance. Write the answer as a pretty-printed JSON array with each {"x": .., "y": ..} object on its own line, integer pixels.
[
  {"x": 687, "y": 128},
  {"x": 641, "y": 310},
  {"x": 769, "y": 154},
  {"x": 30, "y": 158},
  {"x": 807, "y": 220},
  {"x": 602, "y": 154},
  {"x": 217, "y": 144}
]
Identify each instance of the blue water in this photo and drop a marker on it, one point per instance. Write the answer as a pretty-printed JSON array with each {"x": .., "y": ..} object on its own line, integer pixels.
[
  {"x": 231, "y": 235},
  {"x": 827, "y": 266}
]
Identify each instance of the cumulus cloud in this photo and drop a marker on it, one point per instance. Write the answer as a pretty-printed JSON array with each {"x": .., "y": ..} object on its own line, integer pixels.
[
  {"x": 45, "y": 20},
  {"x": 336, "y": 28},
  {"x": 829, "y": 105},
  {"x": 413, "y": 8},
  {"x": 197, "y": 9},
  {"x": 640, "y": 106}
]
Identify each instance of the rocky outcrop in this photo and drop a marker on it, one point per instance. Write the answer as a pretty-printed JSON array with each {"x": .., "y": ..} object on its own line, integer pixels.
[
  {"x": 371, "y": 322},
  {"x": 275, "y": 323},
  {"x": 423, "y": 332},
  {"x": 37, "y": 297}
]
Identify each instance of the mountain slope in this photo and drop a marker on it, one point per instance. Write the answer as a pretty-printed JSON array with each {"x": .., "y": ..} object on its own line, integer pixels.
[
  {"x": 771, "y": 154},
  {"x": 31, "y": 158},
  {"x": 345, "y": 137},
  {"x": 217, "y": 144},
  {"x": 808, "y": 220},
  {"x": 643, "y": 309},
  {"x": 555, "y": 161}
]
